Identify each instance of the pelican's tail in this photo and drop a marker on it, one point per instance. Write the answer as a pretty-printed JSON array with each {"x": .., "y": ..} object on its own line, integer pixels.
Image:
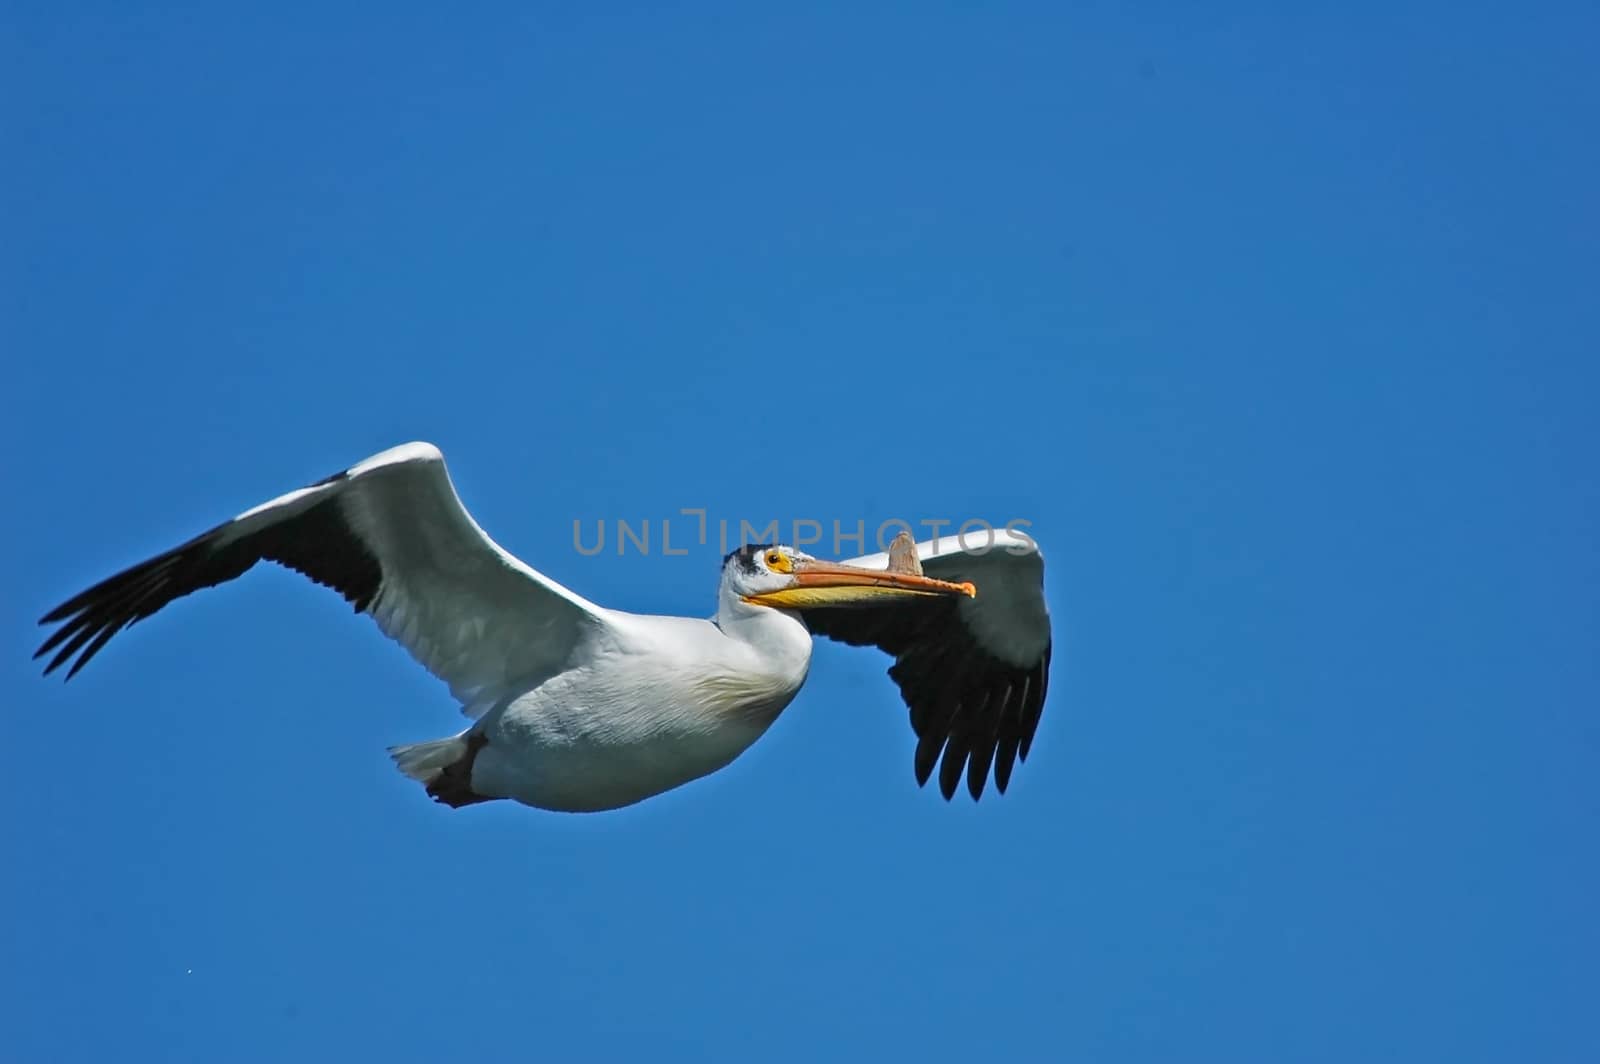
[{"x": 443, "y": 766}]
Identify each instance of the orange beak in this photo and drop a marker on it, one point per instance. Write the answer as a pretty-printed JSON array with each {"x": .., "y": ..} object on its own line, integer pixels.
[{"x": 818, "y": 584}]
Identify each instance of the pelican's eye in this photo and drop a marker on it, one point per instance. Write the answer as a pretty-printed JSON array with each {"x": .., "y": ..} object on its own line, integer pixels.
[{"x": 778, "y": 562}]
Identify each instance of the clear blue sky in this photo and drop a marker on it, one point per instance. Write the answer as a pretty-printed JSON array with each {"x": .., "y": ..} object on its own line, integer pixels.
[{"x": 1281, "y": 330}]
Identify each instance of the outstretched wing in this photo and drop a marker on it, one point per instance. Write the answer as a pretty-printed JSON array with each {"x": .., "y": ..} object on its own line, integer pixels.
[
  {"x": 391, "y": 536},
  {"x": 972, "y": 671}
]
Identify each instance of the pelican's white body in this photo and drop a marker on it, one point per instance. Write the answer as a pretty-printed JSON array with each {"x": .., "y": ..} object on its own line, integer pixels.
[{"x": 662, "y": 701}]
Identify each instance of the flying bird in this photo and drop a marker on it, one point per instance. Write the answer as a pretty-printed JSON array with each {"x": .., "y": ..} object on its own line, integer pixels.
[{"x": 576, "y": 707}]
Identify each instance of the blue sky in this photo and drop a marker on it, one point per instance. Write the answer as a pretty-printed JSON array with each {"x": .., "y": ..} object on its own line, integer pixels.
[{"x": 1280, "y": 330}]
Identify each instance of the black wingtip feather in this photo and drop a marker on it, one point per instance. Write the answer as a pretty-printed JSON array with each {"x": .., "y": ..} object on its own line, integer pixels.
[
  {"x": 1033, "y": 713},
  {"x": 929, "y": 747},
  {"x": 92, "y": 649},
  {"x": 1005, "y": 757},
  {"x": 955, "y": 760},
  {"x": 978, "y": 769}
]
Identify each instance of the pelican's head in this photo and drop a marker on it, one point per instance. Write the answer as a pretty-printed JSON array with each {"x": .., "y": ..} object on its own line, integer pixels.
[{"x": 781, "y": 577}]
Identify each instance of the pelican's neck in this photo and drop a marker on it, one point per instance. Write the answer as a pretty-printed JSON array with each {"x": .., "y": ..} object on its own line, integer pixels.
[{"x": 778, "y": 638}]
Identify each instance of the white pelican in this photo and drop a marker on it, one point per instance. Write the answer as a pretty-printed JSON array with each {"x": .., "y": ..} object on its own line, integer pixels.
[{"x": 576, "y": 707}]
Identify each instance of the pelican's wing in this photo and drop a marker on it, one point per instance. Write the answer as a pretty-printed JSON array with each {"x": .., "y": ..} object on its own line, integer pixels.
[
  {"x": 973, "y": 671},
  {"x": 390, "y": 535}
]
